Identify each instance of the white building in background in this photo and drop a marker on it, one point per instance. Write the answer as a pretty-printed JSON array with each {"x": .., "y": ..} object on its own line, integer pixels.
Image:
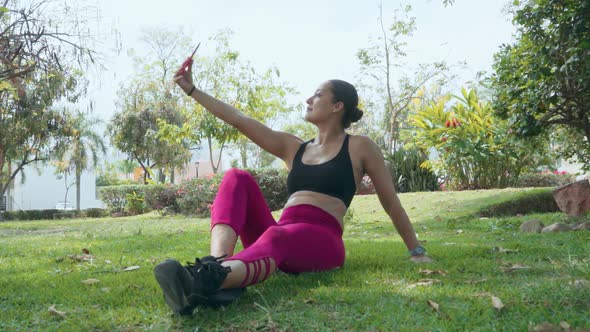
[{"x": 43, "y": 190}]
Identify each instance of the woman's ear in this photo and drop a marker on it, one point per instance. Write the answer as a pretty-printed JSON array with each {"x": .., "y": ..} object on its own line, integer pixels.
[{"x": 338, "y": 107}]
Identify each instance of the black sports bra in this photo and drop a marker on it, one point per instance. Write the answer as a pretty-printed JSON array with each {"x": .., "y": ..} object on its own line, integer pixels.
[{"x": 334, "y": 177}]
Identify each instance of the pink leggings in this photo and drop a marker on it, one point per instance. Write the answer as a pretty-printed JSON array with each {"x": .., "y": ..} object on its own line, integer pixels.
[{"x": 306, "y": 238}]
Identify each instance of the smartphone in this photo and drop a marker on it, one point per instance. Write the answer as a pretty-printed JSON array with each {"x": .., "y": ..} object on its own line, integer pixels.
[{"x": 195, "y": 51}]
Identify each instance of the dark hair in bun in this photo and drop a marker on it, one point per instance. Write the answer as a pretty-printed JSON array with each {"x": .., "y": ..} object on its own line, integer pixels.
[{"x": 346, "y": 93}]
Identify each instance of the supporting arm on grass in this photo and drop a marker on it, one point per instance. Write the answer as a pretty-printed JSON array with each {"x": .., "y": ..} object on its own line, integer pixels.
[{"x": 374, "y": 166}]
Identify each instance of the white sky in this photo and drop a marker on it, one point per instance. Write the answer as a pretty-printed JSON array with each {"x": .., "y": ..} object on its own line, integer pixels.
[{"x": 309, "y": 41}]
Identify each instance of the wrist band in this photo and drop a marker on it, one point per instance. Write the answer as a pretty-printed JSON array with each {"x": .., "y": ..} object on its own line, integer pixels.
[{"x": 191, "y": 90}]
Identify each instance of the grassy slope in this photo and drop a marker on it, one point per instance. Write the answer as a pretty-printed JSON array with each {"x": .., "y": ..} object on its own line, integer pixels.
[{"x": 372, "y": 292}]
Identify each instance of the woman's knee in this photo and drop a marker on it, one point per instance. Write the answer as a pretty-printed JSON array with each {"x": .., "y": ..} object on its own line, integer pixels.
[{"x": 236, "y": 174}]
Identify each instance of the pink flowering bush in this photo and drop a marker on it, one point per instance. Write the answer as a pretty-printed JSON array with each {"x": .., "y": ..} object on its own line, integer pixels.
[
  {"x": 192, "y": 197},
  {"x": 195, "y": 196},
  {"x": 273, "y": 184},
  {"x": 367, "y": 187},
  {"x": 162, "y": 197},
  {"x": 115, "y": 197}
]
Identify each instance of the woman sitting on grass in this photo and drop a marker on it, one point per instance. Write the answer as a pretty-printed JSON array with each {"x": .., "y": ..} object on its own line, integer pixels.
[{"x": 323, "y": 176}]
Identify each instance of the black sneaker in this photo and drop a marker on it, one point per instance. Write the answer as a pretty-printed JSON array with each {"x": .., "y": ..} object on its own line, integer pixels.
[
  {"x": 219, "y": 298},
  {"x": 186, "y": 287},
  {"x": 175, "y": 281}
]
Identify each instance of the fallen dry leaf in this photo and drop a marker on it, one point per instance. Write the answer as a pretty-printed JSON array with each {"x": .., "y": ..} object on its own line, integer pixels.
[
  {"x": 474, "y": 282},
  {"x": 564, "y": 325},
  {"x": 515, "y": 267},
  {"x": 433, "y": 305},
  {"x": 56, "y": 312},
  {"x": 545, "y": 327},
  {"x": 86, "y": 251},
  {"x": 430, "y": 272},
  {"x": 130, "y": 268},
  {"x": 80, "y": 258},
  {"x": 90, "y": 281},
  {"x": 497, "y": 303},
  {"x": 504, "y": 251},
  {"x": 459, "y": 231},
  {"x": 424, "y": 282},
  {"x": 580, "y": 283},
  {"x": 63, "y": 272}
]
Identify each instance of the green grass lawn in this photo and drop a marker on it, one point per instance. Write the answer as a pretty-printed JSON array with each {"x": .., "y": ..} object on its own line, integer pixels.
[{"x": 43, "y": 265}]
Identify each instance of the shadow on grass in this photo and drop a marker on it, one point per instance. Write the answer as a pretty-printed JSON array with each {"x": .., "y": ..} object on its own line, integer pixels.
[{"x": 526, "y": 203}]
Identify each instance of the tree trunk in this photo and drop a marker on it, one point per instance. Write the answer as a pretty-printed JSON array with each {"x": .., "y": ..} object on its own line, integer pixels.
[
  {"x": 211, "y": 155},
  {"x": 67, "y": 189},
  {"x": 145, "y": 174},
  {"x": 78, "y": 178},
  {"x": 219, "y": 159},
  {"x": 161, "y": 175},
  {"x": 244, "y": 155},
  {"x": 3, "y": 188},
  {"x": 387, "y": 78}
]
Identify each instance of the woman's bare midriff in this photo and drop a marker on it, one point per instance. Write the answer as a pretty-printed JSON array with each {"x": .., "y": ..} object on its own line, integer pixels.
[{"x": 332, "y": 205}]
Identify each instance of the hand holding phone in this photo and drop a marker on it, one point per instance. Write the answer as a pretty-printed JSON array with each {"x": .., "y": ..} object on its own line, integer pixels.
[{"x": 187, "y": 63}]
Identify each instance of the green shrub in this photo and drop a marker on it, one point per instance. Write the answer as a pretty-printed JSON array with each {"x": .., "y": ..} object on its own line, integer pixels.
[
  {"x": 544, "y": 179},
  {"x": 61, "y": 214},
  {"x": 7, "y": 216},
  {"x": 193, "y": 197},
  {"x": 196, "y": 195},
  {"x": 41, "y": 214},
  {"x": 475, "y": 148},
  {"x": 408, "y": 175},
  {"x": 115, "y": 197},
  {"x": 273, "y": 184},
  {"x": 52, "y": 214},
  {"x": 135, "y": 203},
  {"x": 162, "y": 197},
  {"x": 95, "y": 213},
  {"x": 36, "y": 214}
]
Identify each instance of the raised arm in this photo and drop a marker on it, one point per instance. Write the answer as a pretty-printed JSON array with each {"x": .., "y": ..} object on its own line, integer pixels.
[
  {"x": 280, "y": 144},
  {"x": 374, "y": 166}
]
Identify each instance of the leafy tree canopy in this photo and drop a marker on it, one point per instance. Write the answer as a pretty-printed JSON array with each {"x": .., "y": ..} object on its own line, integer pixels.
[
  {"x": 41, "y": 62},
  {"x": 542, "y": 81}
]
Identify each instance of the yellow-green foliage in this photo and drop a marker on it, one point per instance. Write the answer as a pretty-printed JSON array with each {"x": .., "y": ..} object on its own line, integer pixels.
[{"x": 475, "y": 149}]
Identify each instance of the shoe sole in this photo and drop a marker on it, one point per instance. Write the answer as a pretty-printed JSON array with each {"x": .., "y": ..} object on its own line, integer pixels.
[{"x": 168, "y": 276}]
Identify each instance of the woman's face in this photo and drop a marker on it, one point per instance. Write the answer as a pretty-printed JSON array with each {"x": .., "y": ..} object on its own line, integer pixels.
[{"x": 320, "y": 106}]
